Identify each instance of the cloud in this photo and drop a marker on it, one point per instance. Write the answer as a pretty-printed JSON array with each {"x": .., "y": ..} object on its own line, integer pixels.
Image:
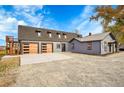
[
  {"x": 33, "y": 15},
  {"x": 83, "y": 24},
  {"x": 30, "y": 15}
]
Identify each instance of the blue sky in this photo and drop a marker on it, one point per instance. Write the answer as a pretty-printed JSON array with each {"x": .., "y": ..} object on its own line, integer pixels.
[{"x": 60, "y": 17}]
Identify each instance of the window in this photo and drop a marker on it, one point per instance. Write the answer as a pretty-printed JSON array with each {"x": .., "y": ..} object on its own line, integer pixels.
[
  {"x": 65, "y": 36},
  {"x": 8, "y": 45},
  {"x": 78, "y": 35},
  {"x": 89, "y": 46},
  {"x": 59, "y": 35},
  {"x": 58, "y": 46},
  {"x": 38, "y": 33},
  {"x": 105, "y": 46},
  {"x": 72, "y": 46},
  {"x": 50, "y": 35}
]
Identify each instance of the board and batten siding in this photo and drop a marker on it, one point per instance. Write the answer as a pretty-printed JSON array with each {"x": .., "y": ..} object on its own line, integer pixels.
[{"x": 82, "y": 47}]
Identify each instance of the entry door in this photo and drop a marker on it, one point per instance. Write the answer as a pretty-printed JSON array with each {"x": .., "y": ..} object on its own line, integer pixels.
[
  {"x": 109, "y": 48},
  {"x": 63, "y": 47}
]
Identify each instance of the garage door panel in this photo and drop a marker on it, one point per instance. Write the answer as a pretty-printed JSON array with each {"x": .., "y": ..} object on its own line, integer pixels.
[
  {"x": 47, "y": 48},
  {"x": 33, "y": 48}
]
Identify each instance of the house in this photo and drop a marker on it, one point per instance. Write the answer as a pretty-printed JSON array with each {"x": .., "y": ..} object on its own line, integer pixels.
[
  {"x": 41, "y": 40},
  {"x": 98, "y": 44}
]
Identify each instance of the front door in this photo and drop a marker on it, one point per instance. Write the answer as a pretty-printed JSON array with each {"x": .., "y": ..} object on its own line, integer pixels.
[
  {"x": 63, "y": 47},
  {"x": 109, "y": 48}
]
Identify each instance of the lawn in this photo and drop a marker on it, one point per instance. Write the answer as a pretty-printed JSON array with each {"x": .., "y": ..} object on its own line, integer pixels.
[{"x": 6, "y": 65}]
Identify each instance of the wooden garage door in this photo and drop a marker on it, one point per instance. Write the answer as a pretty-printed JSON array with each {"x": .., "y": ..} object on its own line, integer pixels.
[
  {"x": 46, "y": 48},
  {"x": 49, "y": 48},
  {"x": 33, "y": 48}
]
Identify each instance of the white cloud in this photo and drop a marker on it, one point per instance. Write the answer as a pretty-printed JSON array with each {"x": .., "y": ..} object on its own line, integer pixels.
[
  {"x": 23, "y": 15},
  {"x": 83, "y": 24},
  {"x": 31, "y": 15}
]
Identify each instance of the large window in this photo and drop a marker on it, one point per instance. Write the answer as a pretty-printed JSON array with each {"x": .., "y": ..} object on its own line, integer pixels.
[{"x": 89, "y": 45}]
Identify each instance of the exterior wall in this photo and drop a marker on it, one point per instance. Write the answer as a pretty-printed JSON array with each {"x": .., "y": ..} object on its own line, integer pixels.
[
  {"x": 55, "y": 49},
  {"x": 82, "y": 47},
  {"x": 105, "y": 47}
]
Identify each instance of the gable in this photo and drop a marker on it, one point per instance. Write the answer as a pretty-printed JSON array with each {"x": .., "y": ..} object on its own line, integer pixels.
[{"x": 109, "y": 37}]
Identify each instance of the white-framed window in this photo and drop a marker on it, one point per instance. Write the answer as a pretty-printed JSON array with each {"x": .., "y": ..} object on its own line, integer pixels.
[{"x": 50, "y": 35}]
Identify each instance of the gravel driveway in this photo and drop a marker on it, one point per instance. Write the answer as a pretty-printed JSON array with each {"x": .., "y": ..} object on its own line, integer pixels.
[{"x": 79, "y": 70}]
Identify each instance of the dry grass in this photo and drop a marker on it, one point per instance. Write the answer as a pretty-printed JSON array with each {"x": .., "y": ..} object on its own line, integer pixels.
[{"x": 6, "y": 66}]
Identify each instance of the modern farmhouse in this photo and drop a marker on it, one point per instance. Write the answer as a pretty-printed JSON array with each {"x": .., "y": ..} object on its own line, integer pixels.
[
  {"x": 40, "y": 40},
  {"x": 100, "y": 44}
]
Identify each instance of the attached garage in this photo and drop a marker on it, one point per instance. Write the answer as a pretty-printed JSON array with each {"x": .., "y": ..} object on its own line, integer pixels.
[{"x": 30, "y": 48}]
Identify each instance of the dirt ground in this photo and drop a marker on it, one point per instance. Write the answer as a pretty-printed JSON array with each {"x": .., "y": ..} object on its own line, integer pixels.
[{"x": 79, "y": 71}]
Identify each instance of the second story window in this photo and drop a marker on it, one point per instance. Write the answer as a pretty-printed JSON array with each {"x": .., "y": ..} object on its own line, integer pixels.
[
  {"x": 38, "y": 34},
  {"x": 65, "y": 36},
  {"x": 59, "y": 36},
  {"x": 49, "y": 34}
]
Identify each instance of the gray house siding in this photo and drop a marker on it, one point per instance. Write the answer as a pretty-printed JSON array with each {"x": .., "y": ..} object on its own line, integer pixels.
[{"x": 81, "y": 47}]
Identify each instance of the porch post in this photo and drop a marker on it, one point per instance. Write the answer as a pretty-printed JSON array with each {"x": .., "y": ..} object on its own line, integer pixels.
[{"x": 39, "y": 48}]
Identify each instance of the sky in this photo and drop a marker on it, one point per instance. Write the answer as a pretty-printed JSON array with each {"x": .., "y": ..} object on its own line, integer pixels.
[{"x": 67, "y": 18}]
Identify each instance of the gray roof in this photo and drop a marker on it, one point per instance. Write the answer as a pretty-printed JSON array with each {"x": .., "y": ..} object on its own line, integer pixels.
[
  {"x": 94, "y": 37},
  {"x": 30, "y": 34}
]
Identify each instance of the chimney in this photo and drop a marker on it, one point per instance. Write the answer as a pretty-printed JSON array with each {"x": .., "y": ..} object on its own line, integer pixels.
[{"x": 90, "y": 34}]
